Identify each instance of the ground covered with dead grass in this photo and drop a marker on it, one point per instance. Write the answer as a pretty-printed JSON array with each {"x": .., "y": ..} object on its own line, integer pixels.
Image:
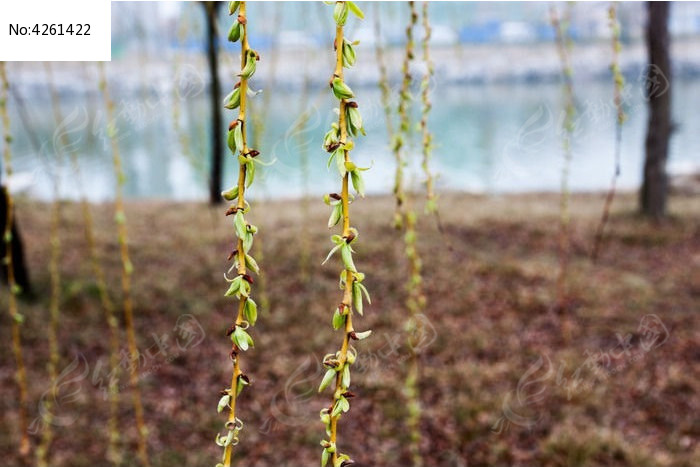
[{"x": 508, "y": 378}]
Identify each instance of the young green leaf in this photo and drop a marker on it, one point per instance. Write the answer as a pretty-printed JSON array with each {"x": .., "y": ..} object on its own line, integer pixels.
[
  {"x": 341, "y": 90},
  {"x": 327, "y": 378},
  {"x": 336, "y": 215},
  {"x": 357, "y": 182},
  {"x": 231, "y": 194},
  {"x": 357, "y": 297},
  {"x": 346, "y": 253},
  {"x": 249, "y": 172},
  {"x": 223, "y": 403},
  {"x": 250, "y": 310},
  {"x": 344, "y": 404},
  {"x": 340, "y": 13},
  {"x": 239, "y": 223},
  {"x": 349, "y": 56},
  {"x": 232, "y": 7},
  {"x": 231, "y": 140},
  {"x": 233, "y": 99},
  {"x": 338, "y": 319},
  {"x": 234, "y": 33},
  {"x": 355, "y": 117},
  {"x": 247, "y": 242},
  {"x": 352, "y": 6},
  {"x": 345, "y": 382},
  {"x": 250, "y": 64},
  {"x": 238, "y": 137},
  {"x": 251, "y": 264},
  {"x": 242, "y": 339},
  {"x": 234, "y": 286}
]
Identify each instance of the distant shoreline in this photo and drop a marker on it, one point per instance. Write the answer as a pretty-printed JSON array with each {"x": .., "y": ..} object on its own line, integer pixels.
[{"x": 473, "y": 64}]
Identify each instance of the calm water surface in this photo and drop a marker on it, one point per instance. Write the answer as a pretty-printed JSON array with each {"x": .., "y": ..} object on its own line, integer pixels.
[{"x": 491, "y": 139}]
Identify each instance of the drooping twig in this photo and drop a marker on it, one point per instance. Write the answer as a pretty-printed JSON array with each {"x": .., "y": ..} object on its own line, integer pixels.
[
  {"x": 240, "y": 285},
  {"x": 563, "y": 42},
  {"x": 15, "y": 316},
  {"x": 55, "y": 280},
  {"x": 338, "y": 143},
  {"x": 619, "y": 84},
  {"x": 127, "y": 270}
]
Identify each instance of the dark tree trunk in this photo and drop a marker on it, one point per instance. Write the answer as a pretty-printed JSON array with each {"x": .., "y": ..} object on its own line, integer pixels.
[
  {"x": 211, "y": 9},
  {"x": 652, "y": 198},
  {"x": 19, "y": 267}
]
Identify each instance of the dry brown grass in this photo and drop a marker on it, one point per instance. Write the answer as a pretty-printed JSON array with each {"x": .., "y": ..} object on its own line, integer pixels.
[{"x": 490, "y": 280}]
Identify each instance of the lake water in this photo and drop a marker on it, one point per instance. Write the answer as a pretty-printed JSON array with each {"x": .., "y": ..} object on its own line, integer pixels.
[{"x": 488, "y": 138}]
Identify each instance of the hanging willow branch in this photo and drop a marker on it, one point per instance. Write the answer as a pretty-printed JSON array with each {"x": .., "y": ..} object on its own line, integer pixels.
[
  {"x": 337, "y": 142},
  {"x": 55, "y": 280},
  {"x": 619, "y": 84},
  {"x": 16, "y": 318},
  {"x": 383, "y": 75},
  {"x": 127, "y": 270},
  {"x": 563, "y": 41},
  {"x": 400, "y": 138},
  {"x": 114, "y": 454},
  {"x": 426, "y": 135},
  {"x": 300, "y": 132},
  {"x": 406, "y": 219},
  {"x": 240, "y": 285}
]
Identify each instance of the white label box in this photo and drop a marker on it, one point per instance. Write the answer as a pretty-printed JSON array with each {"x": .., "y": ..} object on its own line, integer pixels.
[{"x": 55, "y": 30}]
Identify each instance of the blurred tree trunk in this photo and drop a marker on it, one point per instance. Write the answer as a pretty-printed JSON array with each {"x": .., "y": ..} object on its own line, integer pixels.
[
  {"x": 211, "y": 9},
  {"x": 652, "y": 198},
  {"x": 19, "y": 267}
]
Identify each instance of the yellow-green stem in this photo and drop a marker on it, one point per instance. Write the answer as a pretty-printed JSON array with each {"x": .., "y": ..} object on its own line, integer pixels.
[
  {"x": 618, "y": 85},
  {"x": 127, "y": 269},
  {"x": 401, "y": 138},
  {"x": 345, "y": 201},
  {"x": 426, "y": 135},
  {"x": 114, "y": 454},
  {"x": 241, "y": 253},
  {"x": 55, "y": 280},
  {"x": 383, "y": 74},
  {"x": 15, "y": 317},
  {"x": 563, "y": 47},
  {"x": 406, "y": 219}
]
